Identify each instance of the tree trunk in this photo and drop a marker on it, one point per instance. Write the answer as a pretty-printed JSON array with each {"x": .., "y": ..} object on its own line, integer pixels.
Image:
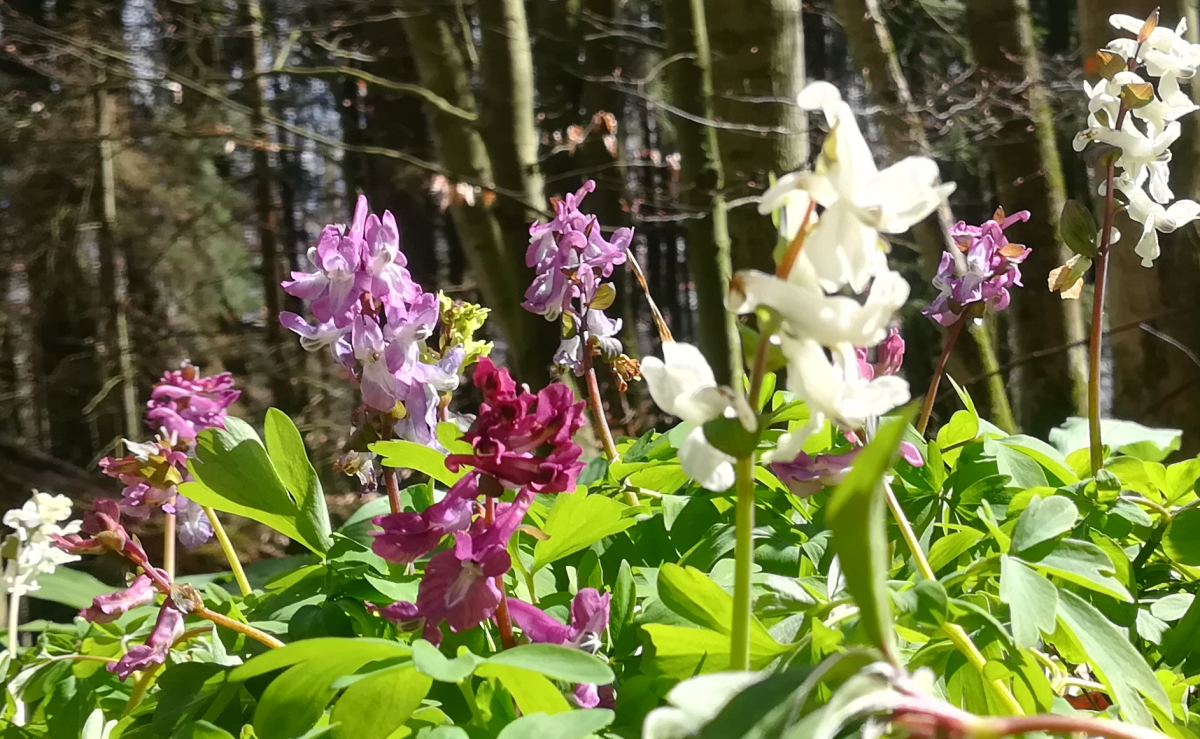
[
  {"x": 701, "y": 184},
  {"x": 278, "y": 346},
  {"x": 757, "y": 70},
  {"x": 1028, "y": 176},
  {"x": 502, "y": 276},
  {"x": 112, "y": 291}
]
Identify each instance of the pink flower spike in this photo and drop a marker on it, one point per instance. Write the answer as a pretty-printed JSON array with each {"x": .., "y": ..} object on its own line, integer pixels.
[{"x": 111, "y": 606}]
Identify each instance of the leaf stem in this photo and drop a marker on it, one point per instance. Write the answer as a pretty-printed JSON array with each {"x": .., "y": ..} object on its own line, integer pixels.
[
  {"x": 468, "y": 693},
  {"x": 141, "y": 686},
  {"x": 14, "y": 612},
  {"x": 235, "y": 564},
  {"x": 393, "y": 488},
  {"x": 600, "y": 419},
  {"x": 503, "y": 623},
  {"x": 955, "y": 633},
  {"x": 931, "y": 394},
  {"x": 739, "y": 650}
]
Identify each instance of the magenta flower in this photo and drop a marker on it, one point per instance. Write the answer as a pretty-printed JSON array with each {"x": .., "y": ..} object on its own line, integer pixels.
[
  {"x": 338, "y": 256},
  {"x": 111, "y": 606},
  {"x": 810, "y": 474},
  {"x": 408, "y": 536},
  {"x": 889, "y": 357},
  {"x": 459, "y": 586},
  {"x": 589, "y": 619},
  {"x": 992, "y": 267},
  {"x": 379, "y": 387},
  {"x": 105, "y": 534},
  {"x": 167, "y": 629},
  {"x": 511, "y": 429}
]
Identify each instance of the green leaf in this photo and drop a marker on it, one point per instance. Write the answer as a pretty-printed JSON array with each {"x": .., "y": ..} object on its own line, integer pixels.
[
  {"x": 318, "y": 649},
  {"x": 430, "y": 661},
  {"x": 1078, "y": 228},
  {"x": 682, "y": 651},
  {"x": 376, "y": 707},
  {"x": 1182, "y": 540},
  {"x": 532, "y": 692},
  {"x": 729, "y": 436},
  {"x": 624, "y": 602},
  {"x": 1082, "y": 563},
  {"x": 1042, "y": 520},
  {"x": 1116, "y": 661},
  {"x": 555, "y": 661},
  {"x": 408, "y": 455},
  {"x": 1127, "y": 437},
  {"x": 200, "y": 730},
  {"x": 693, "y": 595},
  {"x": 932, "y": 603},
  {"x": 286, "y": 448},
  {"x": 1050, "y": 459},
  {"x": 234, "y": 474},
  {"x": 295, "y": 700},
  {"x": 1032, "y": 601},
  {"x": 449, "y": 435},
  {"x": 70, "y": 587},
  {"x": 570, "y": 725},
  {"x": 576, "y": 521},
  {"x": 952, "y": 546},
  {"x": 1182, "y": 640},
  {"x": 857, "y": 516}
]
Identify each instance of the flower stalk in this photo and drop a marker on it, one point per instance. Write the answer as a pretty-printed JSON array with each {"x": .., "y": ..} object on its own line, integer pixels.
[
  {"x": 931, "y": 394},
  {"x": 743, "y": 552},
  {"x": 169, "y": 526},
  {"x": 235, "y": 564},
  {"x": 503, "y": 622}
]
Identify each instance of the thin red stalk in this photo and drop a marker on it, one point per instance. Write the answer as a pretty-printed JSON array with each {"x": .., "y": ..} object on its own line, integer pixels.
[
  {"x": 931, "y": 394},
  {"x": 1095, "y": 346},
  {"x": 503, "y": 622},
  {"x": 596, "y": 405},
  {"x": 393, "y": 488}
]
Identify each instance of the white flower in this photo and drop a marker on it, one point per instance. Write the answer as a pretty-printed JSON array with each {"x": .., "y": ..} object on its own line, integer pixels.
[
  {"x": 682, "y": 384},
  {"x": 694, "y": 702},
  {"x": 34, "y": 524},
  {"x": 96, "y": 727},
  {"x": 1144, "y": 156},
  {"x": 1165, "y": 50},
  {"x": 833, "y": 389},
  {"x": 859, "y": 200},
  {"x": 809, "y": 312},
  {"x": 1155, "y": 218}
]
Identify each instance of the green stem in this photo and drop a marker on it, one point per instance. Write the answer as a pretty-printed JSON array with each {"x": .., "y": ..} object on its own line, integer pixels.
[
  {"x": 743, "y": 552},
  {"x": 245, "y": 629},
  {"x": 1002, "y": 414},
  {"x": 14, "y": 615},
  {"x": 931, "y": 394},
  {"x": 955, "y": 633},
  {"x": 230, "y": 554},
  {"x": 141, "y": 686},
  {"x": 169, "y": 546},
  {"x": 468, "y": 693}
]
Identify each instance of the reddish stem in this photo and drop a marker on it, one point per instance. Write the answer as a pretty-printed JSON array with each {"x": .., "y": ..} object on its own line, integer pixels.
[
  {"x": 503, "y": 622},
  {"x": 393, "y": 488},
  {"x": 931, "y": 394}
]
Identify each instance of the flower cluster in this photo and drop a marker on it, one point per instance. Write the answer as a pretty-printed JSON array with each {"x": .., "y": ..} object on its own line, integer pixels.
[
  {"x": 571, "y": 258},
  {"x": 520, "y": 441},
  {"x": 377, "y": 321},
  {"x": 182, "y": 404},
  {"x": 992, "y": 266},
  {"x": 589, "y": 619},
  {"x": 105, "y": 533},
  {"x": 30, "y": 548},
  {"x": 1143, "y": 138}
]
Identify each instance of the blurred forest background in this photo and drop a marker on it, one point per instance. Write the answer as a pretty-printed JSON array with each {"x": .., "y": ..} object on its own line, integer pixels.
[{"x": 164, "y": 163}]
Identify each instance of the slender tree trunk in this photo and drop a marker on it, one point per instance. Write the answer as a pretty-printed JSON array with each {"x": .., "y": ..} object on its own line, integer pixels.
[
  {"x": 278, "y": 346},
  {"x": 1028, "y": 174},
  {"x": 757, "y": 70},
  {"x": 702, "y": 181},
  {"x": 502, "y": 276},
  {"x": 112, "y": 291}
]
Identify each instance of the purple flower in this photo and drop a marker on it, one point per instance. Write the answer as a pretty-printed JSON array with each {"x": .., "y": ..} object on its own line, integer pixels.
[
  {"x": 383, "y": 261},
  {"x": 103, "y": 527},
  {"x": 459, "y": 586},
  {"x": 167, "y": 629},
  {"x": 407, "y": 536},
  {"x": 810, "y": 474},
  {"x": 379, "y": 387},
  {"x": 991, "y": 268},
  {"x": 889, "y": 356},
  {"x": 184, "y": 404},
  {"x": 338, "y": 256},
  {"x": 194, "y": 526},
  {"x": 511, "y": 429},
  {"x": 589, "y": 619},
  {"x": 111, "y": 606}
]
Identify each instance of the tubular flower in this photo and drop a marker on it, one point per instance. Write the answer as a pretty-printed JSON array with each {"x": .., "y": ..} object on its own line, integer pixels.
[
  {"x": 111, "y": 606},
  {"x": 992, "y": 267},
  {"x": 37, "y": 528},
  {"x": 167, "y": 629},
  {"x": 405, "y": 537},
  {"x": 589, "y": 619},
  {"x": 184, "y": 404},
  {"x": 809, "y": 474}
]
